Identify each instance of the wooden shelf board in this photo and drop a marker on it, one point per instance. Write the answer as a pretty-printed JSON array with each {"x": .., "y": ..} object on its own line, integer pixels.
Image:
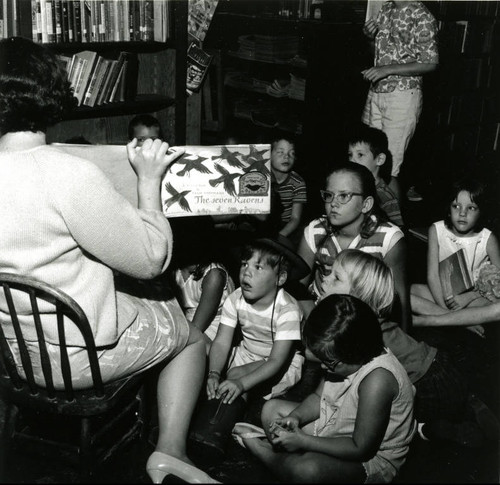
[{"x": 141, "y": 104}]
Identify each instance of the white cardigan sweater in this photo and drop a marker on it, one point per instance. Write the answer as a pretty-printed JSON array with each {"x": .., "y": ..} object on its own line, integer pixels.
[{"x": 63, "y": 222}]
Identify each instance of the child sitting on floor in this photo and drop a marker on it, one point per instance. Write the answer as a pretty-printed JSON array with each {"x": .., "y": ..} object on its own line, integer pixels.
[
  {"x": 289, "y": 185},
  {"x": 369, "y": 147},
  {"x": 269, "y": 319},
  {"x": 443, "y": 406},
  {"x": 266, "y": 362},
  {"x": 353, "y": 220},
  {"x": 359, "y": 423},
  {"x": 461, "y": 232},
  {"x": 201, "y": 282}
]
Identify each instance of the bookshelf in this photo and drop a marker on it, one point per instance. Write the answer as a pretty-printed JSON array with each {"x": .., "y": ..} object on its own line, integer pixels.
[
  {"x": 152, "y": 34},
  {"x": 331, "y": 53}
]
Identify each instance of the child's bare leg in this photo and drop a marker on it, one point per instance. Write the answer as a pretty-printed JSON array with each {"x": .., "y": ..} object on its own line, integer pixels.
[
  {"x": 307, "y": 467},
  {"x": 274, "y": 409}
]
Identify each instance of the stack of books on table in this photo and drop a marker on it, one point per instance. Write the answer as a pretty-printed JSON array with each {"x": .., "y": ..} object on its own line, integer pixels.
[{"x": 96, "y": 80}]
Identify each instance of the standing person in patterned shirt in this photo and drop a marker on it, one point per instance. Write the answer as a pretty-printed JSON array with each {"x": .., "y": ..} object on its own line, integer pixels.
[
  {"x": 405, "y": 49},
  {"x": 368, "y": 146},
  {"x": 289, "y": 186}
]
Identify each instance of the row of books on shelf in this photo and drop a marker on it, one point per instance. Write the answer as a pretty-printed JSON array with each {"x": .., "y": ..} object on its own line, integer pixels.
[
  {"x": 467, "y": 8},
  {"x": 65, "y": 21},
  {"x": 96, "y": 80},
  {"x": 469, "y": 36}
]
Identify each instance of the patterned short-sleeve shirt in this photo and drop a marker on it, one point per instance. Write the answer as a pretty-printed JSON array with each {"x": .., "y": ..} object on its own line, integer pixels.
[{"x": 405, "y": 35}]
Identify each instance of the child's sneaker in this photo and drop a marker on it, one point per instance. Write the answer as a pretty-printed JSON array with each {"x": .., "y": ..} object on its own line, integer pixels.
[{"x": 413, "y": 195}]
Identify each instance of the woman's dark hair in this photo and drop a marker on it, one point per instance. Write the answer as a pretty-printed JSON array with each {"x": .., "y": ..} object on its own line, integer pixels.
[
  {"x": 269, "y": 256},
  {"x": 368, "y": 189},
  {"x": 477, "y": 192},
  {"x": 343, "y": 327},
  {"x": 34, "y": 89},
  {"x": 147, "y": 120}
]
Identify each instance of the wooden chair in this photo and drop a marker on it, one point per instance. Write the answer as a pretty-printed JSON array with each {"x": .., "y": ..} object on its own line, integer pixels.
[{"x": 100, "y": 412}]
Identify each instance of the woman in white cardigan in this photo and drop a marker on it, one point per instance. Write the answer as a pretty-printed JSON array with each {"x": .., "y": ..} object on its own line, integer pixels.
[{"x": 65, "y": 224}]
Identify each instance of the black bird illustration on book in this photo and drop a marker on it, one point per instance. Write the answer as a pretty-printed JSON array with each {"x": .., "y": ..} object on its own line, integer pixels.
[
  {"x": 192, "y": 164},
  {"x": 230, "y": 157},
  {"x": 259, "y": 166},
  {"x": 226, "y": 178},
  {"x": 179, "y": 197},
  {"x": 254, "y": 155}
]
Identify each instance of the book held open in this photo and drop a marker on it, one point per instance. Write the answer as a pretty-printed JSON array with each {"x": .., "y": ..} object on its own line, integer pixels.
[{"x": 205, "y": 180}]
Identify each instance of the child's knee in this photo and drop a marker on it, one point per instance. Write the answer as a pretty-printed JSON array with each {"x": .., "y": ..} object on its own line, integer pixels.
[{"x": 270, "y": 411}]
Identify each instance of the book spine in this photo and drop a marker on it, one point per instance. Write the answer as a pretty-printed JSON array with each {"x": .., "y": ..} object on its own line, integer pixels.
[
  {"x": 142, "y": 20},
  {"x": 85, "y": 16},
  {"x": 124, "y": 20},
  {"x": 34, "y": 25},
  {"x": 58, "y": 20},
  {"x": 93, "y": 22},
  {"x": 118, "y": 20},
  {"x": 51, "y": 35},
  {"x": 77, "y": 20},
  {"x": 69, "y": 20},
  {"x": 15, "y": 26},
  {"x": 25, "y": 19},
  {"x": 102, "y": 21},
  {"x": 64, "y": 21},
  {"x": 92, "y": 84},
  {"x": 148, "y": 20},
  {"x": 43, "y": 20}
]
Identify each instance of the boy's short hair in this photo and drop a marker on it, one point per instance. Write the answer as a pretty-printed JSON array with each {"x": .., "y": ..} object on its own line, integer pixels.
[
  {"x": 146, "y": 120},
  {"x": 277, "y": 139},
  {"x": 343, "y": 327},
  {"x": 371, "y": 280},
  {"x": 378, "y": 142},
  {"x": 268, "y": 255}
]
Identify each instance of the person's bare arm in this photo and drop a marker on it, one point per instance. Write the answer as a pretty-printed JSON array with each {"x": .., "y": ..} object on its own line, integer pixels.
[
  {"x": 460, "y": 318},
  {"x": 294, "y": 222},
  {"x": 396, "y": 260},
  {"x": 308, "y": 256},
  {"x": 433, "y": 280},
  {"x": 376, "y": 73}
]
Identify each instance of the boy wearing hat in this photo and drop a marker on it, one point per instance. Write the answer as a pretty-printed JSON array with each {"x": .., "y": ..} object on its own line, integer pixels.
[{"x": 269, "y": 319}]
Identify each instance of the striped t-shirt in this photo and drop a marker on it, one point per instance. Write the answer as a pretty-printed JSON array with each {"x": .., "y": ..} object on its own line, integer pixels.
[
  {"x": 326, "y": 246},
  {"x": 291, "y": 191},
  {"x": 258, "y": 332}
]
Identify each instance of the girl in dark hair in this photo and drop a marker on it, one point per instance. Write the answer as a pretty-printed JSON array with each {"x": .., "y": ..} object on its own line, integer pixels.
[
  {"x": 353, "y": 220},
  {"x": 64, "y": 223},
  {"x": 461, "y": 233},
  {"x": 358, "y": 424}
]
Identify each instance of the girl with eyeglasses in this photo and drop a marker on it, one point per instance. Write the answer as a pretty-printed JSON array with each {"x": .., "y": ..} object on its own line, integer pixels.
[
  {"x": 353, "y": 220},
  {"x": 358, "y": 424}
]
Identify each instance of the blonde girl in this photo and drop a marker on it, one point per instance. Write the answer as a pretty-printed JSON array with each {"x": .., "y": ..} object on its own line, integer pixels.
[
  {"x": 353, "y": 220},
  {"x": 443, "y": 405}
]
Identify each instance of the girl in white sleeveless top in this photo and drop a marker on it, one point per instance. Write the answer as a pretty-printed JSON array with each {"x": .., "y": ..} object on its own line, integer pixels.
[
  {"x": 359, "y": 423},
  {"x": 462, "y": 234}
]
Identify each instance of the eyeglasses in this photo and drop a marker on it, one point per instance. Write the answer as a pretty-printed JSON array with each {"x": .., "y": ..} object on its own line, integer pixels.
[
  {"x": 331, "y": 364},
  {"x": 341, "y": 198}
]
